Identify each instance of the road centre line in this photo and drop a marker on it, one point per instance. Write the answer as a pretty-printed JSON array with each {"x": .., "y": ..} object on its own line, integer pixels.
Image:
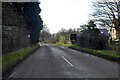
[{"x": 67, "y": 61}]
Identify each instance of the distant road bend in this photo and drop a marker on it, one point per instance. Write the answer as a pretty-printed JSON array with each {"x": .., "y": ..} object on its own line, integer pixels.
[{"x": 51, "y": 61}]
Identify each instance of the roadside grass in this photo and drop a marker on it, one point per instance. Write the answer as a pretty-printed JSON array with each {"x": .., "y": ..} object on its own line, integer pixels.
[
  {"x": 61, "y": 44},
  {"x": 108, "y": 53},
  {"x": 103, "y": 53},
  {"x": 13, "y": 57},
  {"x": 57, "y": 44}
]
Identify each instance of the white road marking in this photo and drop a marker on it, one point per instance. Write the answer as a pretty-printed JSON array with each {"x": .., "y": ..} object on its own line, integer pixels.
[
  {"x": 67, "y": 61},
  {"x": 12, "y": 75}
]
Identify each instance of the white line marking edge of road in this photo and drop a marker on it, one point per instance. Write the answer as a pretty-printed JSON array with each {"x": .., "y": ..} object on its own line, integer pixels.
[{"x": 12, "y": 75}]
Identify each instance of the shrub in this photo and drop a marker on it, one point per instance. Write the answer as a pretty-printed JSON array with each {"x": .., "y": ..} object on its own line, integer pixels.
[{"x": 93, "y": 40}]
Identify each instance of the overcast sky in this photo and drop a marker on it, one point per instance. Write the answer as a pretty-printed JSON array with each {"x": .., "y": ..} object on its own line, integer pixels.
[{"x": 58, "y": 14}]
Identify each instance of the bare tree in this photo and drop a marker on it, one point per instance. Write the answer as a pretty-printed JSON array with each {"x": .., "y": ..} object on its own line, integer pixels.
[
  {"x": 107, "y": 12},
  {"x": 45, "y": 34}
]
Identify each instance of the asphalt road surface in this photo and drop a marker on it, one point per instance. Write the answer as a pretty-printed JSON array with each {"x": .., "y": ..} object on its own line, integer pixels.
[{"x": 51, "y": 61}]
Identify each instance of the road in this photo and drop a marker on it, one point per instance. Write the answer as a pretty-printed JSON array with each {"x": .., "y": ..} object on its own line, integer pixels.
[{"x": 51, "y": 61}]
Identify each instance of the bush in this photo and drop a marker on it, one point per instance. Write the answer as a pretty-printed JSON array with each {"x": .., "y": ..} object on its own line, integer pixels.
[{"x": 93, "y": 40}]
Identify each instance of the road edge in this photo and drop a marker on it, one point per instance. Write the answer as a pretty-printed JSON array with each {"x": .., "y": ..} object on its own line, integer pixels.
[
  {"x": 116, "y": 60},
  {"x": 6, "y": 72}
]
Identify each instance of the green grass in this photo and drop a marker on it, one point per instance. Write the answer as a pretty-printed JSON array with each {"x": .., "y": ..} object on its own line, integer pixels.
[
  {"x": 97, "y": 52},
  {"x": 61, "y": 44},
  {"x": 17, "y": 55},
  {"x": 57, "y": 44},
  {"x": 110, "y": 53}
]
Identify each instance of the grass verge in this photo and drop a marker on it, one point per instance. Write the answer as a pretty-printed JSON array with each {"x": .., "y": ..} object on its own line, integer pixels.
[
  {"x": 57, "y": 44},
  {"x": 61, "y": 44},
  {"x": 111, "y": 55},
  {"x": 107, "y": 54},
  {"x": 16, "y": 56}
]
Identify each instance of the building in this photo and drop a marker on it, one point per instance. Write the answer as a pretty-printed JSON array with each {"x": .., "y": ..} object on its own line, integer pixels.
[{"x": 115, "y": 35}]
